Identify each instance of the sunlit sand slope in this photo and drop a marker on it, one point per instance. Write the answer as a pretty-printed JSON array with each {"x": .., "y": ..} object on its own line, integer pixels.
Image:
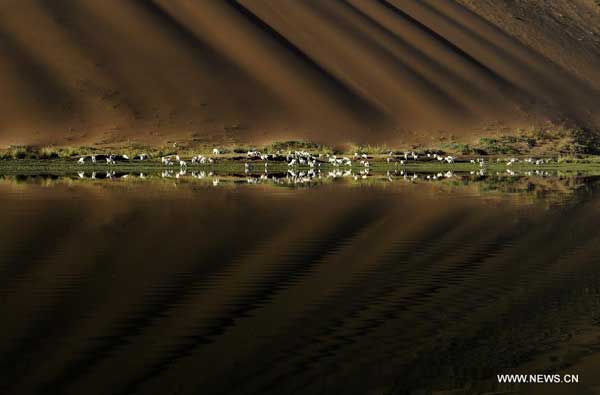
[{"x": 257, "y": 70}]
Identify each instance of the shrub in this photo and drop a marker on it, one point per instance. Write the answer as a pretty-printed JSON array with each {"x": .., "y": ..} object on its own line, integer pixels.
[
  {"x": 498, "y": 146},
  {"x": 463, "y": 149},
  {"x": 585, "y": 141},
  {"x": 48, "y": 153},
  {"x": 16, "y": 152}
]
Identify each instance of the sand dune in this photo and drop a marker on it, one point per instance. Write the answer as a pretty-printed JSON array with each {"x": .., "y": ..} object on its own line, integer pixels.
[{"x": 338, "y": 71}]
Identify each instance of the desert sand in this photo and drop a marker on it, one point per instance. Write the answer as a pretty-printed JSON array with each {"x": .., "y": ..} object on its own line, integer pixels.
[{"x": 333, "y": 71}]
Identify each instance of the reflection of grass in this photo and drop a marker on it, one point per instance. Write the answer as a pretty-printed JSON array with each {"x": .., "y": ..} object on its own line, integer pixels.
[{"x": 523, "y": 189}]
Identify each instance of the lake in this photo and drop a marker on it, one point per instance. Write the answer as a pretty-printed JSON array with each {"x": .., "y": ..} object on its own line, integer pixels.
[{"x": 198, "y": 284}]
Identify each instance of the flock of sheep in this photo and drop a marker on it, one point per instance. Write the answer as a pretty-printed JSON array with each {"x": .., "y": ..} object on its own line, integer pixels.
[{"x": 295, "y": 159}]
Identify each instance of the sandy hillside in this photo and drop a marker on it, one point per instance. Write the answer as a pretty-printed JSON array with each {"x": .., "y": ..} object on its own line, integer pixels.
[{"x": 336, "y": 71}]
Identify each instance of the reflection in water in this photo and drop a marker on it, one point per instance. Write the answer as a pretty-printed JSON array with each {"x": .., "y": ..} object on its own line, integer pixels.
[
  {"x": 296, "y": 176},
  {"x": 303, "y": 176},
  {"x": 349, "y": 287}
]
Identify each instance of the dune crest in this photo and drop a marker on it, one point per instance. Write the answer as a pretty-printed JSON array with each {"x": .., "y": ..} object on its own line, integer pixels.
[{"x": 367, "y": 71}]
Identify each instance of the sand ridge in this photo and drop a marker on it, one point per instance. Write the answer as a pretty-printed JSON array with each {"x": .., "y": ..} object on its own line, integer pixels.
[{"x": 365, "y": 71}]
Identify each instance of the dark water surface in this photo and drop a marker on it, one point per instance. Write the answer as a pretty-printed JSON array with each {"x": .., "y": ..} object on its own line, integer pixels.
[{"x": 115, "y": 287}]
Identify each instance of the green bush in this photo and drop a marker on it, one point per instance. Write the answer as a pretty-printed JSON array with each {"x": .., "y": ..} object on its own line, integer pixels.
[
  {"x": 499, "y": 146},
  {"x": 48, "y": 153},
  {"x": 585, "y": 141}
]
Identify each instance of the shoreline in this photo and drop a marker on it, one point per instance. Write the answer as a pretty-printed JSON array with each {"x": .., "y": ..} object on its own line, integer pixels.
[{"x": 376, "y": 164}]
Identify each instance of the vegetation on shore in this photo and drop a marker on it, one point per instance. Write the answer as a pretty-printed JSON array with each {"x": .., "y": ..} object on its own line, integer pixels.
[{"x": 560, "y": 142}]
